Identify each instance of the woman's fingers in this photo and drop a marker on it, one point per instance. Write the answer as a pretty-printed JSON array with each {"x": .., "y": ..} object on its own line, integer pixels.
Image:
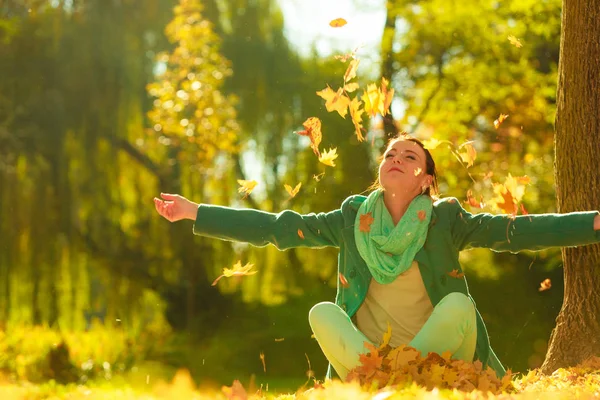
[{"x": 168, "y": 196}]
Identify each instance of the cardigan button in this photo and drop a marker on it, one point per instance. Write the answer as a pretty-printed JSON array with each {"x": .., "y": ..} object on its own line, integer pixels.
[{"x": 352, "y": 273}]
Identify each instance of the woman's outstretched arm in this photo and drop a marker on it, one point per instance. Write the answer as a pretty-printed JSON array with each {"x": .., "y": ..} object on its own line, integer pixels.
[{"x": 284, "y": 230}]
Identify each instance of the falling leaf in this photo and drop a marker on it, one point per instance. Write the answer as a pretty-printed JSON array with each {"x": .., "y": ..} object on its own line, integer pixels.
[
  {"x": 246, "y": 187},
  {"x": 524, "y": 180},
  {"x": 351, "y": 70},
  {"x": 292, "y": 192},
  {"x": 523, "y": 210},
  {"x": 469, "y": 155},
  {"x": 335, "y": 101},
  {"x": 279, "y": 339},
  {"x": 545, "y": 285},
  {"x": 365, "y": 222},
  {"x": 500, "y": 120},
  {"x": 508, "y": 204},
  {"x": 262, "y": 358},
  {"x": 351, "y": 87},
  {"x": 328, "y": 157},
  {"x": 356, "y": 113},
  {"x": 433, "y": 143},
  {"x": 235, "y": 392},
  {"x": 343, "y": 280},
  {"x": 237, "y": 270},
  {"x": 488, "y": 175},
  {"x": 312, "y": 129},
  {"x": 472, "y": 202},
  {"x": 388, "y": 96},
  {"x": 455, "y": 274},
  {"x": 319, "y": 176},
  {"x": 514, "y": 41},
  {"x": 301, "y": 234},
  {"x": 421, "y": 215},
  {"x": 377, "y": 100},
  {"x": 418, "y": 171},
  {"x": 337, "y": 23}
]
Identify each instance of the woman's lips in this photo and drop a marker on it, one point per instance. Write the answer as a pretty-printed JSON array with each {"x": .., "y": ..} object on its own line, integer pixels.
[{"x": 395, "y": 169}]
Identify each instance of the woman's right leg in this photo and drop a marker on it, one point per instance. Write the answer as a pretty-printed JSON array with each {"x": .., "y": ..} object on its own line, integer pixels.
[{"x": 340, "y": 340}]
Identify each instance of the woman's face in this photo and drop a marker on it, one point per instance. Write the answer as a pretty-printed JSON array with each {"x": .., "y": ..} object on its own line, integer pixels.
[{"x": 403, "y": 168}]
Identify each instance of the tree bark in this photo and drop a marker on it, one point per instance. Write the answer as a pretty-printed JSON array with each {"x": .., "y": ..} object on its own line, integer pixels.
[
  {"x": 576, "y": 336},
  {"x": 387, "y": 62}
]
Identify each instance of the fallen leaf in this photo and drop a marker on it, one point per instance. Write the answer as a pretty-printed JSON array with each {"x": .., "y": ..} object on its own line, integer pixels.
[
  {"x": 301, "y": 234},
  {"x": 262, "y": 358},
  {"x": 500, "y": 120},
  {"x": 337, "y": 23},
  {"x": 335, "y": 101},
  {"x": 545, "y": 285},
  {"x": 387, "y": 336},
  {"x": 370, "y": 361},
  {"x": 237, "y": 270},
  {"x": 246, "y": 187},
  {"x": 514, "y": 41},
  {"x": 365, "y": 222},
  {"x": 351, "y": 70},
  {"x": 343, "y": 280},
  {"x": 356, "y": 113},
  {"x": 312, "y": 129},
  {"x": 235, "y": 392},
  {"x": 292, "y": 192},
  {"x": 402, "y": 356},
  {"x": 455, "y": 274},
  {"x": 328, "y": 157}
]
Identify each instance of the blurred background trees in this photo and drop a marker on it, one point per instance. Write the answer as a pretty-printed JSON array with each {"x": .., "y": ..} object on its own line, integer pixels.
[{"x": 103, "y": 105}]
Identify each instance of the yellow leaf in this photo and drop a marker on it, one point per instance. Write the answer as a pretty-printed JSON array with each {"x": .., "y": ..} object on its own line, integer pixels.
[
  {"x": 514, "y": 41},
  {"x": 337, "y": 23},
  {"x": 500, "y": 120},
  {"x": 328, "y": 157},
  {"x": 292, "y": 192},
  {"x": 351, "y": 87},
  {"x": 545, "y": 285},
  {"x": 312, "y": 129},
  {"x": 262, "y": 358},
  {"x": 246, "y": 187},
  {"x": 351, "y": 70},
  {"x": 371, "y": 98},
  {"x": 356, "y": 113},
  {"x": 470, "y": 154},
  {"x": 387, "y": 336},
  {"x": 237, "y": 270},
  {"x": 335, "y": 101},
  {"x": 433, "y": 143},
  {"x": 388, "y": 96}
]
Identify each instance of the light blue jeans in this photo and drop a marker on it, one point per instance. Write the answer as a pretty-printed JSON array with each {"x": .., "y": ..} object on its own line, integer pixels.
[{"x": 451, "y": 327}]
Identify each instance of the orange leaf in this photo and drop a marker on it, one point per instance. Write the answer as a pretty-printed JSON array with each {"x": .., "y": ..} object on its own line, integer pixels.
[
  {"x": 455, "y": 274},
  {"x": 337, "y": 23},
  {"x": 388, "y": 96},
  {"x": 421, "y": 214},
  {"x": 545, "y": 285},
  {"x": 235, "y": 392},
  {"x": 301, "y": 234},
  {"x": 237, "y": 270},
  {"x": 343, "y": 280},
  {"x": 312, "y": 128},
  {"x": 370, "y": 361},
  {"x": 523, "y": 210},
  {"x": 328, "y": 157},
  {"x": 508, "y": 204},
  {"x": 472, "y": 202},
  {"x": 246, "y": 187},
  {"x": 365, "y": 222},
  {"x": 356, "y": 113},
  {"x": 335, "y": 101},
  {"x": 402, "y": 356},
  {"x": 292, "y": 192},
  {"x": 500, "y": 120}
]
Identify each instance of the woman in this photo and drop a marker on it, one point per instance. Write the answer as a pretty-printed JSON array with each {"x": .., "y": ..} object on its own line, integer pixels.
[{"x": 398, "y": 259}]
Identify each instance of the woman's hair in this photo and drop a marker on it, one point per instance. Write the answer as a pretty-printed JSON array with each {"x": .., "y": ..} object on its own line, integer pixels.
[{"x": 433, "y": 190}]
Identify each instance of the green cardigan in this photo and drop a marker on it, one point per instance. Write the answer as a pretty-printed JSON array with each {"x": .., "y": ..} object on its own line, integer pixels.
[{"x": 451, "y": 230}]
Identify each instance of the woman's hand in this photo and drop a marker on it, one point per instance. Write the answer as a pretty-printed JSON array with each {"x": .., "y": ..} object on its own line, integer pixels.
[{"x": 175, "y": 207}]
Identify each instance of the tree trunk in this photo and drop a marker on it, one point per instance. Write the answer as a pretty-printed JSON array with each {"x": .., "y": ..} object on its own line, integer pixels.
[
  {"x": 577, "y": 143},
  {"x": 387, "y": 62}
]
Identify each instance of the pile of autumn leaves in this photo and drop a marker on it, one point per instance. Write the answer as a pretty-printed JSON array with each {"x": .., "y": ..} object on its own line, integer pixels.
[{"x": 386, "y": 366}]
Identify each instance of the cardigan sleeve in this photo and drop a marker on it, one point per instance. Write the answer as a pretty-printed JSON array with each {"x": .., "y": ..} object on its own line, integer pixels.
[
  {"x": 523, "y": 232},
  {"x": 284, "y": 230}
]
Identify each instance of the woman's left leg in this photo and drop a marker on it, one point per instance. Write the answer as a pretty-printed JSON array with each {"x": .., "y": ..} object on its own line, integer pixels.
[{"x": 452, "y": 327}]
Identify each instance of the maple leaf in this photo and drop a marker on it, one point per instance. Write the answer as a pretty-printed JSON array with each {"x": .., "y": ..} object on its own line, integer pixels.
[
  {"x": 500, "y": 120},
  {"x": 545, "y": 285},
  {"x": 388, "y": 96},
  {"x": 235, "y": 392},
  {"x": 455, "y": 274},
  {"x": 312, "y": 129},
  {"x": 237, "y": 270},
  {"x": 351, "y": 87},
  {"x": 343, "y": 280},
  {"x": 301, "y": 234},
  {"x": 403, "y": 355},
  {"x": 292, "y": 192},
  {"x": 365, "y": 222},
  {"x": 508, "y": 202},
  {"x": 335, "y": 101},
  {"x": 470, "y": 154},
  {"x": 472, "y": 202},
  {"x": 262, "y": 358},
  {"x": 337, "y": 23},
  {"x": 246, "y": 187},
  {"x": 351, "y": 70},
  {"x": 370, "y": 361},
  {"x": 328, "y": 157},
  {"x": 356, "y": 113},
  {"x": 514, "y": 41}
]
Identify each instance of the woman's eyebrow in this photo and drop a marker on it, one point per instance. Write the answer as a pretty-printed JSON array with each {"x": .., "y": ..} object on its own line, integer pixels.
[{"x": 407, "y": 151}]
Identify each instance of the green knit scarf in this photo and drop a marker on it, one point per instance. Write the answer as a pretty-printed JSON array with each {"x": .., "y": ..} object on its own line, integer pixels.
[{"x": 390, "y": 250}]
